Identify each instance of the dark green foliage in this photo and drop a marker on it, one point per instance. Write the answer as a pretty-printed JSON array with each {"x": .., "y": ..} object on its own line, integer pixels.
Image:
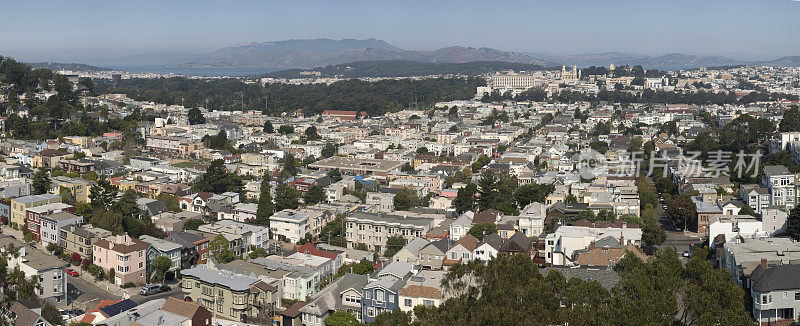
[
  {"x": 404, "y": 68},
  {"x": 481, "y": 230},
  {"x": 393, "y": 245},
  {"x": 217, "y": 179},
  {"x": 480, "y": 163},
  {"x": 465, "y": 198},
  {"x": 41, "y": 182},
  {"x": 373, "y": 97},
  {"x": 497, "y": 192},
  {"x": 195, "y": 117},
  {"x": 314, "y": 195},
  {"x": 532, "y": 192},
  {"x": 791, "y": 120},
  {"x": 406, "y": 199},
  {"x": 286, "y": 197},
  {"x": 265, "y": 205},
  {"x": 329, "y": 150},
  {"x": 193, "y": 224}
]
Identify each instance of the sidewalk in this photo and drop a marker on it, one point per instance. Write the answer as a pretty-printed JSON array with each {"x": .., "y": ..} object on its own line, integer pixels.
[{"x": 105, "y": 285}]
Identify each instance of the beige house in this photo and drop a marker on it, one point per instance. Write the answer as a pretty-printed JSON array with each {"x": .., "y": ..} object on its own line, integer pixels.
[
  {"x": 80, "y": 239},
  {"x": 20, "y": 205},
  {"x": 77, "y": 186},
  {"x": 228, "y": 295},
  {"x": 374, "y": 229}
]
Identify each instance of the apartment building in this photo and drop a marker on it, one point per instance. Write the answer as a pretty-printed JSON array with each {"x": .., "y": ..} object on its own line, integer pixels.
[
  {"x": 80, "y": 239},
  {"x": 162, "y": 247},
  {"x": 373, "y": 229},
  {"x": 50, "y": 270},
  {"x": 194, "y": 248},
  {"x": 290, "y": 224},
  {"x": 51, "y": 226},
  {"x": 34, "y": 215},
  {"x": 125, "y": 255},
  {"x": 229, "y": 295},
  {"x": 781, "y": 184},
  {"x": 19, "y": 206}
]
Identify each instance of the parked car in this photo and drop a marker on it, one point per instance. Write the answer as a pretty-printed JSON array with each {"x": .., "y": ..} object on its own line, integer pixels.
[
  {"x": 73, "y": 272},
  {"x": 153, "y": 289},
  {"x": 687, "y": 254}
]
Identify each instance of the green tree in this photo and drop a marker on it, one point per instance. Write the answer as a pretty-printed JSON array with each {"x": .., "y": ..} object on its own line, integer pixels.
[
  {"x": 341, "y": 318},
  {"x": 328, "y": 150},
  {"x": 170, "y": 200},
  {"x": 791, "y": 120},
  {"x": 747, "y": 210},
  {"x": 314, "y": 195},
  {"x": 286, "y": 197},
  {"x": 480, "y": 230},
  {"x": 286, "y": 129},
  {"x": 127, "y": 205},
  {"x": 102, "y": 195},
  {"x": 66, "y": 196},
  {"x": 311, "y": 133},
  {"x": 161, "y": 265},
  {"x": 265, "y": 205},
  {"x": 406, "y": 199},
  {"x": 289, "y": 167},
  {"x": 193, "y": 224},
  {"x": 681, "y": 209},
  {"x": 218, "y": 244},
  {"x": 480, "y": 163},
  {"x": 532, "y": 192},
  {"x": 392, "y": 317},
  {"x": 41, "y": 182},
  {"x": 217, "y": 180},
  {"x": 393, "y": 245},
  {"x": 195, "y": 117},
  {"x": 268, "y": 128},
  {"x": 465, "y": 198}
]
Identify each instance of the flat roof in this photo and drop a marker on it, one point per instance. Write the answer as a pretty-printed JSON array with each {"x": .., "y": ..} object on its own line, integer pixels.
[{"x": 349, "y": 163}]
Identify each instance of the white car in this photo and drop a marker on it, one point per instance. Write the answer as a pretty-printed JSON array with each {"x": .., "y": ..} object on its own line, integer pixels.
[{"x": 687, "y": 253}]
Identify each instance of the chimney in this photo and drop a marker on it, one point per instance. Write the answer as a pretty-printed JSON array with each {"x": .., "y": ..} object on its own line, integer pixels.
[
  {"x": 764, "y": 263},
  {"x": 621, "y": 238}
]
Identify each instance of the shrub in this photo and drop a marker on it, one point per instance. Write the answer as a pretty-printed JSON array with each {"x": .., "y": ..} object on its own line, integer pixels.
[{"x": 128, "y": 285}]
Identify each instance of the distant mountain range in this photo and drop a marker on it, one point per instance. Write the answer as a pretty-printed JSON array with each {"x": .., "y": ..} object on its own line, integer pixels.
[
  {"x": 324, "y": 52},
  {"x": 401, "y": 68},
  {"x": 330, "y": 56}
]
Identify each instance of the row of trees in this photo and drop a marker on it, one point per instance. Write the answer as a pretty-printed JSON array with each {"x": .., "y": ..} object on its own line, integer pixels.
[
  {"x": 512, "y": 289},
  {"x": 500, "y": 192},
  {"x": 375, "y": 98}
]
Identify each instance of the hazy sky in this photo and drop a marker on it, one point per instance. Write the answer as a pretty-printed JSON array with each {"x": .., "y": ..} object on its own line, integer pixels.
[{"x": 92, "y": 29}]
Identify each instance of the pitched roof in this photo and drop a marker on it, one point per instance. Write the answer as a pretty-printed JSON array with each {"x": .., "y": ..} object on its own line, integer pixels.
[
  {"x": 487, "y": 216},
  {"x": 24, "y": 315},
  {"x": 781, "y": 277},
  {"x": 293, "y": 310},
  {"x": 468, "y": 242},
  {"x": 494, "y": 240},
  {"x": 180, "y": 307},
  {"x": 517, "y": 243}
]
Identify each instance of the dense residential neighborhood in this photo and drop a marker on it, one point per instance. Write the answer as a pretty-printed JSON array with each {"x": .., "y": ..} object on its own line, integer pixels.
[{"x": 570, "y": 182}]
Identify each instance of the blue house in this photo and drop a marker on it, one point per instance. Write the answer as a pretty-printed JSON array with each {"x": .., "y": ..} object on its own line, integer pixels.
[{"x": 382, "y": 290}]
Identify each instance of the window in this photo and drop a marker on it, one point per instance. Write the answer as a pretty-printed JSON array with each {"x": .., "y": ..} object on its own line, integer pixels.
[
  {"x": 427, "y": 303},
  {"x": 465, "y": 255},
  {"x": 219, "y": 307},
  {"x": 797, "y": 296},
  {"x": 141, "y": 264},
  {"x": 391, "y": 298},
  {"x": 379, "y": 295},
  {"x": 366, "y": 294},
  {"x": 454, "y": 255},
  {"x": 370, "y": 311},
  {"x": 407, "y": 302}
]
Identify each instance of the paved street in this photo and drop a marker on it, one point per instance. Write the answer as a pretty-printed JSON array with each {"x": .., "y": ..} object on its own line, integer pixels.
[
  {"x": 175, "y": 292},
  {"x": 86, "y": 294}
]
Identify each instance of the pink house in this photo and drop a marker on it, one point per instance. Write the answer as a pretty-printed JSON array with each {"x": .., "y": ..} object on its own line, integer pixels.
[{"x": 125, "y": 255}]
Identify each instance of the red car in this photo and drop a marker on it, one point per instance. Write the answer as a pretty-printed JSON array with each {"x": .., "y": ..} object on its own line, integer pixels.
[{"x": 73, "y": 273}]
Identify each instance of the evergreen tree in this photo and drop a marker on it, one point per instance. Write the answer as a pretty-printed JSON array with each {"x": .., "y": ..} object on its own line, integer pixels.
[
  {"x": 41, "y": 182},
  {"x": 286, "y": 197},
  {"x": 265, "y": 206},
  {"x": 314, "y": 195}
]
